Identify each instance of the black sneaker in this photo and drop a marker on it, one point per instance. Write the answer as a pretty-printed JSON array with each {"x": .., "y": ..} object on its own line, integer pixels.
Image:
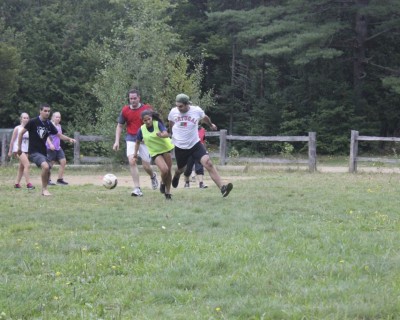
[
  {"x": 175, "y": 180},
  {"x": 202, "y": 185},
  {"x": 225, "y": 189},
  {"x": 162, "y": 187},
  {"x": 168, "y": 196},
  {"x": 51, "y": 183},
  {"x": 187, "y": 184},
  {"x": 61, "y": 181}
]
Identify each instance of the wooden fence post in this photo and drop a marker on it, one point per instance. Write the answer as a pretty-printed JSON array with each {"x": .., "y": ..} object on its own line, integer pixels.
[
  {"x": 77, "y": 148},
  {"x": 353, "y": 151},
  {"x": 222, "y": 147},
  {"x": 312, "y": 151},
  {"x": 3, "y": 149}
]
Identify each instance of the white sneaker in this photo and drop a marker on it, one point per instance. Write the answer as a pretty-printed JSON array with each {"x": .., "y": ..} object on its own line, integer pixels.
[
  {"x": 154, "y": 181},
  {"x": 137, "y": 192}
]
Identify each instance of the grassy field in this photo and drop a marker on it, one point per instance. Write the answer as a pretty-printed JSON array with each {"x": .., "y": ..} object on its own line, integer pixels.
[{"x": 283, "y": 245}]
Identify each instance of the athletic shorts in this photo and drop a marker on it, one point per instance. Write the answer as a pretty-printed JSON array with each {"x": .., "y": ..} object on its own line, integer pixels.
[
  {"x": 143, "y": 152},
  {"x": 38, "y": 158},
  {"x": 182, "y": 155},
  {"x": 157, "y": 155},
  {"x": 55, "y": 155}
]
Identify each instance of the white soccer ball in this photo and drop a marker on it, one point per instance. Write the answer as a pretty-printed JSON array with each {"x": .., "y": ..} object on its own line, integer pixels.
[{"x": 110, "y": 181}]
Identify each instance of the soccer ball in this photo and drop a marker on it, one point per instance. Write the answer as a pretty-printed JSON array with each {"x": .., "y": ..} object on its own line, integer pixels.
[{"x": 110, "y": 181}]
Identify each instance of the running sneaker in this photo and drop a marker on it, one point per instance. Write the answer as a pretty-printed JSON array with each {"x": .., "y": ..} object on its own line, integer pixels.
[
  {"x": 187, "y": 184},
  {"x": 62, "y": 182},
  {"x": 168, "y": 196},
  {"x": 154, "y": 181},
  {"x": 17, "y": 186},
  {"x": 137, "y": 192},
  {"x": 202, "y": 185},
  {"x": 175, "y": 180},
  {"x": 30, "y": 186},
  {"x": 225, "y": 189},
  {"x": 51, "y": 183},
  {"x": 162, "y": 187}
]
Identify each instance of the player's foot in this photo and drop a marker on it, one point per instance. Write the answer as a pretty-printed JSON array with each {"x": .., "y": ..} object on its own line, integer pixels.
[
  {"x": 187, "y": 184},
  {"x": 17, "y": 186},
  {"x": 175, "y": 180},
  {"x": 202, "y": 185},
  {"x": 162, "y": 187},
  {"x": 30, "y": 186},
  {"x": 51, "y": 183},
  {"x": 168, "y": 196},
  {"x": 154, "y": 181},
  {"x": 137, "y": 192},
  {"x": 62, "y": 182},
  {"x": 225, "y": 189},
  {"x": 46, "y": 193}
]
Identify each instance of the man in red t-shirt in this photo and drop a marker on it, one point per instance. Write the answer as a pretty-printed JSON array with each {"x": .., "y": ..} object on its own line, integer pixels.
[{"x": 131, "y": 117}]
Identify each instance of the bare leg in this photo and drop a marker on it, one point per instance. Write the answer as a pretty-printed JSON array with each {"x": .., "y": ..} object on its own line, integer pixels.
[
  {"x": 45, "y": 178},
  {"x": 20, "y": 172},
  {"x": 134, "y": 172},
  {"x": 147, "y": 167},
  {"x": 164, "y": 164},
  {"x": 207, "y": 164},
  {"x": 25, "y": 163},
  {"x": 61, "y": 169}
]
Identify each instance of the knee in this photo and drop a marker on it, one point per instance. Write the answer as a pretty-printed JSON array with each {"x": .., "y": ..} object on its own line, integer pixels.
[{"x": 208, "y": 163}]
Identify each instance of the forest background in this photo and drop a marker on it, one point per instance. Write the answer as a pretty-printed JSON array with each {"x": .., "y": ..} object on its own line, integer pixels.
[{"x": 259, "y": 67}]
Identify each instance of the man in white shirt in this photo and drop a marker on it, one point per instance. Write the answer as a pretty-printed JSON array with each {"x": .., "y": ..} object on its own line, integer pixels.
[{"x": 183, "y": 123}]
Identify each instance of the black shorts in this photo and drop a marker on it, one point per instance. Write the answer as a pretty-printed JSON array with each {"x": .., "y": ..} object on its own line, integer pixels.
[{"x": 182, "y": 155}]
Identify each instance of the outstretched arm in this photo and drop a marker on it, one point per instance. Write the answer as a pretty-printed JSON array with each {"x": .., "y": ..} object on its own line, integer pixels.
[
  {"x": 208, "y": 122},
  {"x": 65, "y": 138}
]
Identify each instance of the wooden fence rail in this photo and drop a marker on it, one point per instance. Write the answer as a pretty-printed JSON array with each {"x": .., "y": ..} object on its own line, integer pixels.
[
  {"x": 78, "y": 158},
  {"x": 354, "y": 158},
  {"x": 311, "y": 139},
  {"x": 223, "y": 138}
]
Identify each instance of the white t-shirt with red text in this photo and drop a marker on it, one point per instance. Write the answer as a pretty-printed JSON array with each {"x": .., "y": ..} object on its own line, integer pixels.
[{"x": 184, "y": 130}]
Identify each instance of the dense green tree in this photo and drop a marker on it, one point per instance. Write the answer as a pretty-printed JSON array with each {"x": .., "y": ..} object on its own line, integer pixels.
[{"x": 322, "y": 53}]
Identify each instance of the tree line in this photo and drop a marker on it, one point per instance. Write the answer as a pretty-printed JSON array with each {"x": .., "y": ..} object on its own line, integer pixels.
[{"x": 259, "y": 67}]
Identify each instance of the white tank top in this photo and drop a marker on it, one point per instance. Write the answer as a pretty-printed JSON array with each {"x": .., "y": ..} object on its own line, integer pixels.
[{"x": 25, "y": 141}]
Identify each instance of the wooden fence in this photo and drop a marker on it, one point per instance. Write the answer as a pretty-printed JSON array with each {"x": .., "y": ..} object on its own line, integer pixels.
[
  {"x": 78, "y": 158},
  {"x": 5, "y": 138},
  {"x": 354, "y": 158},
  {"x": 223, "y": 138}
]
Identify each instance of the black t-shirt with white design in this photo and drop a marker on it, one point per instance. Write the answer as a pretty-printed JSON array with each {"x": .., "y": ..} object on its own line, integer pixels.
[{"x": 38, "y": 132}]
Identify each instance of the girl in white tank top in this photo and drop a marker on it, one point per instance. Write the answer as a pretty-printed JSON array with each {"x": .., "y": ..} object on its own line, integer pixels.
[{"x": 23, "y": 167}]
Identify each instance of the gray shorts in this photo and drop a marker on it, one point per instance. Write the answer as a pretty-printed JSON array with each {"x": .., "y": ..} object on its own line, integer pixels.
[
  {"x": 38, "y": 158},
  {"x": 55, "y": 155}
]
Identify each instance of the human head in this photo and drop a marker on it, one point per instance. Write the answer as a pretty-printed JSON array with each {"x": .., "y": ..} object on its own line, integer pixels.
[
  {"x": 134, "y": 97},
  {"x": 147, "y": 117},
  {"x": 45, "y": 111},
  {"x": 24, "y": 118},
  {"x": 56, "y": 117},
  {"x": 182, "y": 102}
]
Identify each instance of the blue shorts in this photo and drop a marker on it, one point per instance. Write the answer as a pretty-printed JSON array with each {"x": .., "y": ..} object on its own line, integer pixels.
[
  {"x": 38, "y": 158},
  {"x": 55, "y": 155}
]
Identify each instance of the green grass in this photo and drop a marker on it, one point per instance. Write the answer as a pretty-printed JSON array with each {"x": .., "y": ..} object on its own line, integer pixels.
[{"x": 283, "y": 245}]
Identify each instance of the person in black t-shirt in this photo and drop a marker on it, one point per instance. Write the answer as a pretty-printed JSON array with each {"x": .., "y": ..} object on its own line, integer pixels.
[{"x": 39, "y": 129}]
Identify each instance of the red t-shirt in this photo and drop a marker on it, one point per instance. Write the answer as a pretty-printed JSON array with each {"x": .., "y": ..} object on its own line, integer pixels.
[
  {"x": 132, "y": 118},
  {"x": 202, "y": 135}
]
